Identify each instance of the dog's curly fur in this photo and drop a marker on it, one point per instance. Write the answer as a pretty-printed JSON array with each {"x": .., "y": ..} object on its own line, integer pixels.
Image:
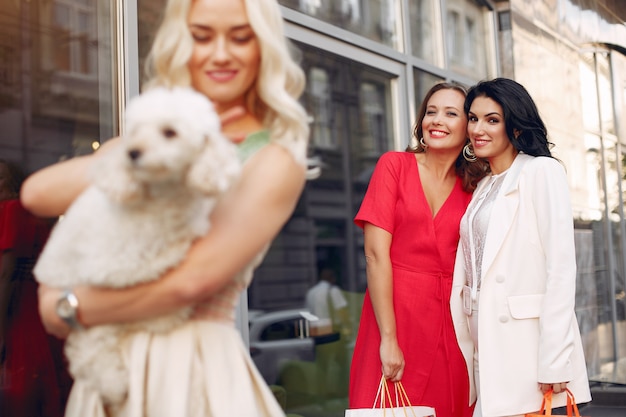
[{"x": 150, "y": 198}]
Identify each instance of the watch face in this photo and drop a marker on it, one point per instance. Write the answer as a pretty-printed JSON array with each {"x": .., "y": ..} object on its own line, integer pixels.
[{"x": 64, "y": 308}]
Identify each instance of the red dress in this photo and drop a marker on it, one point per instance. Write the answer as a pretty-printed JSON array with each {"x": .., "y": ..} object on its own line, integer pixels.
[
  {"x": 422, "y": 254},
  {"x": 34, "y": 378}
]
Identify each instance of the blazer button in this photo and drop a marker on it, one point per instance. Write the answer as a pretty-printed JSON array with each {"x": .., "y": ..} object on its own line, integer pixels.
[
  {"x": 500, "y": 279},
  {"x": 503, "y": 319}
]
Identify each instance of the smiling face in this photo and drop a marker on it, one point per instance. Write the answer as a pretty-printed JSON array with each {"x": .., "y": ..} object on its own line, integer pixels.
[
  {"x": 487, "y": 132},
  {"x": 444, "y": 124},
  {"x": 226, "y": 54}
]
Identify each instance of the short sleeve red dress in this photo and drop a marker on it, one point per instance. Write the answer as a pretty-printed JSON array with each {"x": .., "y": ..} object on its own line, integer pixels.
[{"x": 422, "y": 254}]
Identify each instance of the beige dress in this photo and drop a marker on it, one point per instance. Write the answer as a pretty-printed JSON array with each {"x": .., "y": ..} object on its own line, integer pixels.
[{"x": 201, "y": 369}]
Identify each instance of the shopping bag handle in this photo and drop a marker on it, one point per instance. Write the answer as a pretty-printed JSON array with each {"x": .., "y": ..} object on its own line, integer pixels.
[
  {"x": 546, "y": 404},
  {"x": 571, "y": 404},
  {"x": 385, "y": 396}
]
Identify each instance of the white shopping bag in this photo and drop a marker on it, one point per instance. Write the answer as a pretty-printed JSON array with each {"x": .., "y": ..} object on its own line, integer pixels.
[{"x": 385, "y": 408}]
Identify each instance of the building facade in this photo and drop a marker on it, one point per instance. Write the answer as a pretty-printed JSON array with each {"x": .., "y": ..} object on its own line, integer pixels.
[{"x": 67, "y": 68}]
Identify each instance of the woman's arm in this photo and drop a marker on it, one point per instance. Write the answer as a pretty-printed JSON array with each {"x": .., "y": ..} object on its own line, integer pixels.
[
  {"x": 243, "y": 223},
  {"x": 50, "y": 191},
  {"x": 380, "y": 285}
]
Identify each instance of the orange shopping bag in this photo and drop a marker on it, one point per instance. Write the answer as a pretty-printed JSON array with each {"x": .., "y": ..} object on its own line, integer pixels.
[{"x": 546, "y": 406}]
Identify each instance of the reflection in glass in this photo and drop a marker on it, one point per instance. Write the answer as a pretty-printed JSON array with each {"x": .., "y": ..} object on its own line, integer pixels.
[
  {"x": 601, "y": 254},
  {"x": 373, "y": 19},
  {"x": 422, "y": 81},
  {"x": 350, "y": 106},
  {"x": 54, "y": 104},
  {"x": 425, "y": 37},
  {"x": 466, "y": 38},
  {"x": 321, "y": 107},
  {"x": 149, "y": 15}
]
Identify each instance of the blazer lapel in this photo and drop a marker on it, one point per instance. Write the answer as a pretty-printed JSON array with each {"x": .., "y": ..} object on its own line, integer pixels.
[{"x": 503, "y": 212}]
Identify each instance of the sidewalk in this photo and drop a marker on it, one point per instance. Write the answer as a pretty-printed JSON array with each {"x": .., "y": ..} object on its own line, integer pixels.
[
  {"x": 608, "y": 400},
  {"x": 593, "y": 410}
]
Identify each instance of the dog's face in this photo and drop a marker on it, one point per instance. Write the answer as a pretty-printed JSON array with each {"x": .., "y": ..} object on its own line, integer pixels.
[{"x": 166, "y": 131}]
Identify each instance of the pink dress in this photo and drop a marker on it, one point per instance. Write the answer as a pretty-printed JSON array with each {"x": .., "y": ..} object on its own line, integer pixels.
[{"x": 422, "y": 254}]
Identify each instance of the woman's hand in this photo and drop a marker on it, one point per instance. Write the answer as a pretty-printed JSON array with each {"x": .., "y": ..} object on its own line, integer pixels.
[
  {"x": 392, "y": 358},
  {"x": 229, "y": 117},
  {"x": 48, "y": 298},
  {"x": 558, "y": 387}
]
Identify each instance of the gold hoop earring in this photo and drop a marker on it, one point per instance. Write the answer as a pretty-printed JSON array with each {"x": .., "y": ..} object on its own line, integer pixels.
[
  {"x": 468, "y": 153},
  {"x": 423, "y": 143}
]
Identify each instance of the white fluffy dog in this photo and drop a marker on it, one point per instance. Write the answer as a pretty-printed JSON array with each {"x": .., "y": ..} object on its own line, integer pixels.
[{"x": 150, "y": 198}]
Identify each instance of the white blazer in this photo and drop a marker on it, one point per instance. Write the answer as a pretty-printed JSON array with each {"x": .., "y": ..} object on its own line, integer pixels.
[{"x": 528, "y": 332}]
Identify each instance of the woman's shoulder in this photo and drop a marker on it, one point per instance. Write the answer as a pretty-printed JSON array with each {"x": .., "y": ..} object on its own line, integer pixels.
[
  {"x": 252, "y": 143},
  {"x": 543, "y": 164}
]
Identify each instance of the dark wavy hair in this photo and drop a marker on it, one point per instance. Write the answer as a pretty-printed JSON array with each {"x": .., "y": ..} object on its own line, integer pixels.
[
  {"x": 470, "y": 172},
  {"x": 16, "y": 176},
  {"x": 520, "y": 114}
]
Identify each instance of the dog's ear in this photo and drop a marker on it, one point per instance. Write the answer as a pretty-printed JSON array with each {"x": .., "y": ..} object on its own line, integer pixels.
[
  {"x": 216, "y": 168},
  {"x": 110, "y": 174}
]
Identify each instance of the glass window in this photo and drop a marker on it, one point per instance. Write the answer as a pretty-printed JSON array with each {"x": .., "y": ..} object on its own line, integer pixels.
[
  {"x": 54, "y": 104},
  {"x": 373, "y": 19},
  {"x": 72, "y": 25},
  {"x": 422, "y": 81},
  {"x": 467, "y": 38},
  {"x": 601, "y": 240},
  {"x": 149, "y": 16},
  {"x": 425, "y": 31},
  {"x": 350, "y": 104}
]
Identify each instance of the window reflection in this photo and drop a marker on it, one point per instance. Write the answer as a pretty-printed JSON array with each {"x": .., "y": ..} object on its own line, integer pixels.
[
  {"x": 466, "y": 38},
  {"x": 374, "y": 19},
  {"x": 55, "y": 101},
  {"x": 73, "y": 24},
  {"x": 320, "y": 102},
  {"x": 600, "y": 229},
  {"x": 350, "y": 104},
  {"x": 422, "y": 81},
  {"x": 54, "y": 104},
  {"x": 425, "y": 37}
]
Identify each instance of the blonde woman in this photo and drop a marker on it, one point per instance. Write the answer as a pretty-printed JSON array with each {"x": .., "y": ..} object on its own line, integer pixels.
[{"x": 234, "y": 52}]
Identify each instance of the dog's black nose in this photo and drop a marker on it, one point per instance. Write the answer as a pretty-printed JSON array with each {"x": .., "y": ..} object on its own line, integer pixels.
[{"x": 134, "y": 154}]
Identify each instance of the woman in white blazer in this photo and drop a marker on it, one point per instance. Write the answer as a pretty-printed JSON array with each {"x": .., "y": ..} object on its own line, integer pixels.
[{"x": 515, "y": 274}]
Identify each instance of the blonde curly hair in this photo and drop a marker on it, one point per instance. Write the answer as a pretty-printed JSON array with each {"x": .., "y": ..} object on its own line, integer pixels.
[{"x": 279, "y": 84}]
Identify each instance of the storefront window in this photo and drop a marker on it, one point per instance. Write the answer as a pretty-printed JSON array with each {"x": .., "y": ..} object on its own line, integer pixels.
[
  {"x": 425, "y": 31},
  {"x": 467, "y": 38},
  {"x": 350, "y": 104},
  {"x": 422, "y": 81},
  {"x": 600, "y": 245},
  {"x": 57, "y": 101},
  {"x": 373, "y": 19}
]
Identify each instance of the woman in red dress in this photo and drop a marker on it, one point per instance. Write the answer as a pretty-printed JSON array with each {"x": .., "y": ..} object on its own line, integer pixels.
[
  {"x": 410, "y": 216},
  {"x": 33, "y": 379}
]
